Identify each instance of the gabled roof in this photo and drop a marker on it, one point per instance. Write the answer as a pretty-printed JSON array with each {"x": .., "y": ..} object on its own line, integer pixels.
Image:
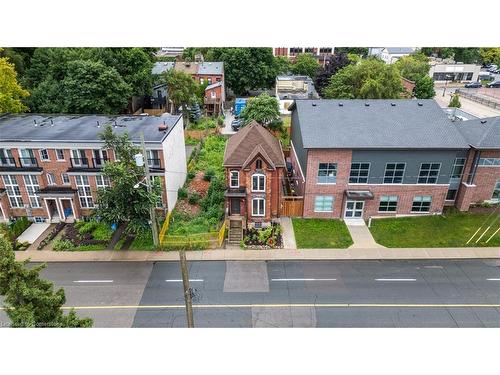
[
  {"x": 215, "y": 67},
  {"x": 481, "y": 133},
  {"x": 375, "y": 124},
  {"x": 249, "y": 141}
]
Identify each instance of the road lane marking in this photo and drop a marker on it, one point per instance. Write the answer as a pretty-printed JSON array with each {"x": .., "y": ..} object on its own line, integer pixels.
[
  {"x": 180, "y": 280},
  {"x": 493, "y": 279},
  {"x": 437, "y": 267},
  {"x": 395, "y": 279},
  {"x": 93, "y": 281},
  {"x": 303, "y": 279}
]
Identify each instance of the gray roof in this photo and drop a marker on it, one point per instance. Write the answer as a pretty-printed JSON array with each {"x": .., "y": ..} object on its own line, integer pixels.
[
  {"x": 481, "y": 133},
  {"x": 78, "y": 128},
  {"x": 216, "y": 67},
  {"x": 162, "y": 66},
  {"x": 351, "y": 123},
  {"x": 399, "y": 50},
  {"x": 309, "y": 93}
]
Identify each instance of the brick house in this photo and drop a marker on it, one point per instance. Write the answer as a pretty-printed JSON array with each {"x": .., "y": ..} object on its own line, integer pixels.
[
  {"x": 320, "y": 53},
  {"x": 366, "y": 158},
  {"x": 50, "y": 165},
  {"x": 254, "y": 166}
]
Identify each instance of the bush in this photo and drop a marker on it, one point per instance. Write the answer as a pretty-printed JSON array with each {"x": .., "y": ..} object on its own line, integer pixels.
[
  {"x": 51, "y": 235},
  {"x": 194, "y": 198},
  {"x": 86, "y": 227},
  {"x": 209, "y": 174},
  {"x": 190, "y": 175},
  {"x": 61, "y": 245},
  {"x": 102, "y": 232},
  {"x": 182, "y": 193},
  {"x": 19, "y": 226}
]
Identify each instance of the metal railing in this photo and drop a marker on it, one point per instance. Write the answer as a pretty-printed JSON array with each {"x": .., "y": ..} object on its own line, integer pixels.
[
  {"x": 479, "y": 99},
  {"x": 80, "y": 162},
  {"x": 7, "y": 162}
]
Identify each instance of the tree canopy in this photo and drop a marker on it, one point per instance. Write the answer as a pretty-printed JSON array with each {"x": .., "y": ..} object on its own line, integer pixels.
[
  {"x": 121, "y": 202},
  {"x": 455, "y": 101},
  {"x": 413, "y": 67},
  {"x": 305, "y": 64},
  {"x": 467, "y": 55},
  {"x": 332, "y": 65},
  {"x": 424, "y": 88},
  {"x": 490, "y": 55},
  {"x": 29, "y": 300},
  {"x": 369, "y": 79},
  {"x": 264, "y": 109},
  {"x": 182, "y": 89},
  {"x": 11, "y": 92}
]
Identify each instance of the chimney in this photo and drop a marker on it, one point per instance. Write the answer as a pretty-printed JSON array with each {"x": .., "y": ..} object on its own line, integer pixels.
[{"x": 162, "y": 127}]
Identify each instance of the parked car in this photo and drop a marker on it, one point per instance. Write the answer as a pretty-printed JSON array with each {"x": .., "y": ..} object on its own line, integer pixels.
[
  {"x": 473, "y": 85},
  {"x": 494, "y": 84},
  {"x": 235, "y": 125}
]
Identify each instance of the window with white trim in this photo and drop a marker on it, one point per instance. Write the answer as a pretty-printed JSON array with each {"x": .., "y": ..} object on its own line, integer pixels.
[
  {"x": 327, "y": 173},
  {"x": 429, "y": 173},
  {"x": 258, "y": 182},
  {"x": 44, "y": 154},
  {"x": 323, "y": 203},
  {"x": 13, "y": 191},
  {"x": 458, "y": 168},
  {"x": 60, "y": 154},
  {"x": 359, "y": 173},
  {"x": 6, "y": 157},
  {"x": 258, "y": 207},
  {"x": 32, "y": 187},
  {"x": 496, "y": 191},
  {"x": 65, "y": 178},
  {"x": 394, "y": 173},
  {"x": 84, "y": 193},
  {"x": 388, "y": 203},
  {"x": 234, "y": 179},
  {"x": 51, "y": 179},
  {"x": 489, "y": 162},
  {"x": 101, "y": 181},
  {"x": 421, "y": 203}
]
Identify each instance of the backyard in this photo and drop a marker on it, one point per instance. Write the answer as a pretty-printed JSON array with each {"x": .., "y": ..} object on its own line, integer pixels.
[
  {"x": 321, "y": 233},
  {"x": 452, "y": 229}
]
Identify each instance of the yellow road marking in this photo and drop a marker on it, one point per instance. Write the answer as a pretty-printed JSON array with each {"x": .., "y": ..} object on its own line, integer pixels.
[{"x": 280, "y": 305}]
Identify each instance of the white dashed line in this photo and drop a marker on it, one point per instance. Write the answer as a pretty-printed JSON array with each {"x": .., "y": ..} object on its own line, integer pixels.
[
  {"x": 303, "y": 279},
  {"x": 493, "y": 279},
  {"x": 93, "y": 281},
  {"x": 395, "y": 279}
]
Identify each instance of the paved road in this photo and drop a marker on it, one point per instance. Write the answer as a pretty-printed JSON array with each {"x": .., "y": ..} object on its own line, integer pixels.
[{"x": 461, "y": 293}]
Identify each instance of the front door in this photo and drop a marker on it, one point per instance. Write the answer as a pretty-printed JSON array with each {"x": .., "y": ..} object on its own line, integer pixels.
[
  {"x": 235, "y": 206},
  {"x": 354, "y": 209}
]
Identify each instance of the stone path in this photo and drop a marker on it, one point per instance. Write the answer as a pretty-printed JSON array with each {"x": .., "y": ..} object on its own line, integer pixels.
[{"x": 288, "y": 233}]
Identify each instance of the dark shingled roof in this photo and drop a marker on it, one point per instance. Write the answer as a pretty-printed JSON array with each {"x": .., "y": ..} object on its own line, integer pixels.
[
  {"x": 481, "y": 133},
  {"x": 78, "y": 128},
  {"x": 252, "y": 139},
  {"x": 376, "y": 123}
]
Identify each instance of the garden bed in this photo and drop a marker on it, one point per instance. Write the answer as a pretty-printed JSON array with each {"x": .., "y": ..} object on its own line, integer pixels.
[
  {"x": 262, "y": 239},
  {"x": 83, "y": 236}
]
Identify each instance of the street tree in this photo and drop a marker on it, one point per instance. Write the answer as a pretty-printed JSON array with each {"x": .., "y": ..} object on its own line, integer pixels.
[
  {"x": 413, "y": 67},
  {"x": 359, "y": 51},
  {"x": 283, "y": 65},
  {"x": 30, "y": 301},
  {"x": 332, "y": 65},
  {"x": 121, "y": 202},
  {"x": 305, "y": 64},
  {"x": 369, "y": 79},
  {"x": 455, "y": 101},
  {"x": 182, "y": 90},
  {"x": 11, "y": 92},
  {"x": 264, "y": 109},
  {"x": 490, "y": 55},
  {"x": 424, "y": 88}
]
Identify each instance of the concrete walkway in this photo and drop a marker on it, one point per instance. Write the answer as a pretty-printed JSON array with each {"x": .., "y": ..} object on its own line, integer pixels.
[
  {"x": 475, "y": 109},
  {"x": 281, "y": 254},
  {"x": 288, "y": 233},
  {"x": 32, "y": 233},
  {"x": 361, "y": 235},
  {"x": 227, "y": 124}
]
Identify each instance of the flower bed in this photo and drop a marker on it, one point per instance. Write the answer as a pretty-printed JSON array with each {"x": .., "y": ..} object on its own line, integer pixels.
[
  {"x": 267, "y": 238},
  {"x": 51, "y": 235},
  {"x": 84, "y": 235}
]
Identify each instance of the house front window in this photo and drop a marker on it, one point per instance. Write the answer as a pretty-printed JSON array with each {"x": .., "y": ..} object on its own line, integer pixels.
[
  {"x": 458, "y": 168},
  {"x": 388, "y": 203},
  {"x": 258, "y": 206},
  {"x": 323, "y": 203},
  {"x": 59, "y": 154},
  {"x": 489, "y": 162},
  {"x": 65, "y": 178},
  {"x": 84, "y": 193},
  {"x": 13, "y": 191},
  {"x": 153, "y": 158},
  {"x": 394, "y": 173},
  {"x": 429, "y": 173},
  {"x": 44, "y": 154},
  {"x": 6, "y": 157},
  {"x": 51, "y": 180},
  {"x": 32, "y": 187},
  {"x": 258, "y": 182},
  {"x": 359, "y": 173},
  {"x": 234, "y": 179},
  {"x": 421, "y": 203},
  {"x": 102, "y": 181},
  {"x": 327, "y": 173}
]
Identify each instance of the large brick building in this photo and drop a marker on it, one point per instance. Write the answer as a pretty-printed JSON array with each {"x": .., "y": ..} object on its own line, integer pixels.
[
  {"x": 365, "y": 158},
  {"x": 50, "y": 166}
]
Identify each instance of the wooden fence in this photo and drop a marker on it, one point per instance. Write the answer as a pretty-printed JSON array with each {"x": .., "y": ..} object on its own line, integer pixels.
[
  {"x": 199, "y": 134},
  {"x": 292, "y": 206}
]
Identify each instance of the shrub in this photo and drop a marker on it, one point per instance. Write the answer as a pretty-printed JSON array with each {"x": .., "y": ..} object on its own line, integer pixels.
[
  {"x": 209, "y": 174},
  {"x": 102, "y": 232},
  {"x": 182, "y": 193},
  {"x": 86, "y": 227},
  {"x": 19, "y": 226},
  {"x": 61, "y": 245},
  {"x": 194, "y": 198},
  {"x": 220, "y": 120},
  {"x": 51, "y": 235},
  {"x": 190, "y": 175}
]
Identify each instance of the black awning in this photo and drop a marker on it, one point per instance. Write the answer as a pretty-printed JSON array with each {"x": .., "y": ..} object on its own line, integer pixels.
[
  {"x": 56, "y": 190},
  {"x": 359, "y": 194},
  {"x": 241, "y": 192}
]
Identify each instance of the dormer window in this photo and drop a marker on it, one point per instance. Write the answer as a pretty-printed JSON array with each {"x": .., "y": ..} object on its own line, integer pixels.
[
  {"x": 234, "y": 180},
  {"x": 258, "y": 182},
  {"x": 258, "y": 164}
]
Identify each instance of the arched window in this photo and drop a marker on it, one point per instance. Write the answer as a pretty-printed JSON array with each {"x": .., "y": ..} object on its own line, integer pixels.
[
  {"x": 258, "y": 182},
  {"x": 258, "y": 164}
]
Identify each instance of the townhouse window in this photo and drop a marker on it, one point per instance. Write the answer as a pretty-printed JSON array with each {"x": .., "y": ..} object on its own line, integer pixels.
[
  {"x": 78, "y": 158},
  {"x": 100, "y": 157},
  {"x": 359, "y": 173},
  {"x": 323, "y": 203},
  {"x": 388, "y": 203},
  {"x": 429, "y": 173},
  {"x": 309, "y": 50},
  {"x": 234, "y": 180},
  {"x": 101, "y": 181},
  {"x": 209, "y": 80},
  {"x": 218, "y": 79},
  {"x": 6, "y": 157},
  {"x": 65, "y": 178},
  {"x": 496, "y": 191},
  {"x": 421, "y": 203},
  {"x": 27, "y": 157},
  {"x": 60, "y": 154},
  {"x": 84, "y": 193},
  {"x": 258, "y": 207},
  {"x": 489, "y": 162},
  {"x": 213, "y": 95},
  {"x": 451, "y": 194},
  {"x": 13, "y": 191},
  {"x": 394, "y": 173},
  {"x": 153, "y": 158},
  {"x": 458, "y": 168},
  {"x": 325, "y": 50},
  {"x": 44, "y": 154},
  {"x": 327, "y": 173},
  {"x": 51, "y": 179},
  {"x": 32, "y": 187},
  {"x": 258, "y": 182},
  {"x": 201, "y": 81}
]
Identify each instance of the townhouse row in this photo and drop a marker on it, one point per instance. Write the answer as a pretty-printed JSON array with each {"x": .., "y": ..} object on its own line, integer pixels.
[{"x": 50, "y": 166}]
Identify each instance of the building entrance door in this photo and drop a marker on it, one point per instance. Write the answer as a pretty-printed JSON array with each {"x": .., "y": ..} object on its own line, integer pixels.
[
  {"x": 354, "y": 209},
  {"x": 235, "y": 206}
]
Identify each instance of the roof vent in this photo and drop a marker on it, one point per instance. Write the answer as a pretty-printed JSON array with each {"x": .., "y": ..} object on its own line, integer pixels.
[
  {"x": 98, "y": 124},
  {"x": 341, "y": 104},
  {"x": 51, "y": 123},
  {"x": 163, "y": 127},
  {"x": 116, "y": 125},
  {"x": 420, "y": 104},
  {"x": 35, "y": 122},
  {"x": 314, "y": 104},
  {"x": 393, "y": 104},
  {"x": 483, "y": 121},
  {"x": 367, "y": 104}
]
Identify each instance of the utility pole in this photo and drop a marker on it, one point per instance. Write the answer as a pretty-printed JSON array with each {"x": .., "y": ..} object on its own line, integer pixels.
[
  {"x": 152, "y": 213},
  {"x": 187, "y": 290}
]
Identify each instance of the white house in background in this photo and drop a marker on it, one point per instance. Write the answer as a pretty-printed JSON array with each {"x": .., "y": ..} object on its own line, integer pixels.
[
  {"x": 291, "y": 88},
  {"x": 390, "y": 54}
]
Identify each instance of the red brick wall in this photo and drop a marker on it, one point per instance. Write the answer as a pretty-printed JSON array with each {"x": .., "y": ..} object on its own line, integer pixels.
[{"x": 486, "y": 178}]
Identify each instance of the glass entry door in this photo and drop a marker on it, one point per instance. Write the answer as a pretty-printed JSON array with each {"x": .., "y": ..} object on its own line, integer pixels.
[{"x": 354, "y": 209}]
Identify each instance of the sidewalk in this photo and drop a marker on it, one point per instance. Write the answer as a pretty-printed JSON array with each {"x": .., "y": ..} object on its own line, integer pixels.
[
  {"x": 361, "y": 235},
  {"x": 475, "y": 109},
  {"x": 280, "y": 254}
]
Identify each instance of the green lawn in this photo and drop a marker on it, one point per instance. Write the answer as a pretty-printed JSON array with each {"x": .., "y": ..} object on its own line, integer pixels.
[
  {"x": 321, "y": 233},
  {"x": 450, "y": 230}
]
